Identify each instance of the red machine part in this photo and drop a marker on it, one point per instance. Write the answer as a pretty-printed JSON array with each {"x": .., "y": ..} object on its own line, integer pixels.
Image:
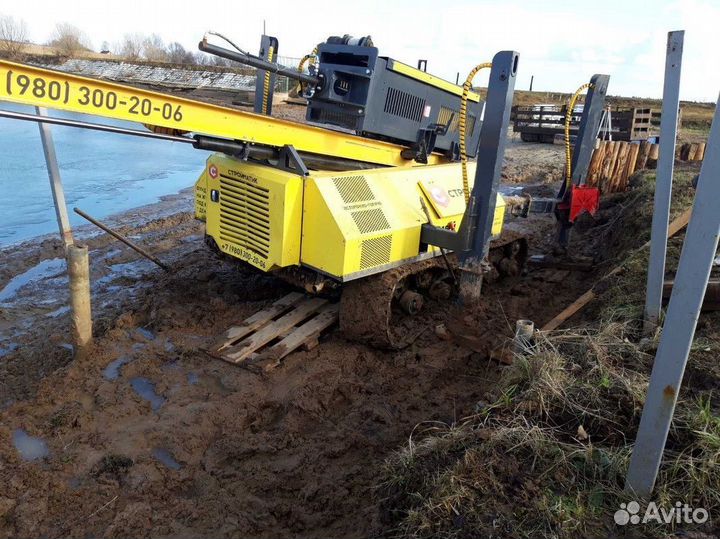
[{"x": 583, "y": 199}]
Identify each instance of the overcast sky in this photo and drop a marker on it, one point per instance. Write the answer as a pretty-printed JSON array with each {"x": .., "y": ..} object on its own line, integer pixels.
[{"x": 561, "y": 43}]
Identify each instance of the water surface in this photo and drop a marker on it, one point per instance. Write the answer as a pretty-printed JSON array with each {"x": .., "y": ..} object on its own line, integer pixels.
[{"x": 102, "y": 173}]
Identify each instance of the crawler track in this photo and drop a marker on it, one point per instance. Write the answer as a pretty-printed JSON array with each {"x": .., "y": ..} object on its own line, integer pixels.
[{"x": 369, "y": 310}]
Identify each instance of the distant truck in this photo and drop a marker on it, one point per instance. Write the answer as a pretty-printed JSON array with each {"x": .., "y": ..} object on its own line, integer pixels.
[{"x": 541, "y": 122}]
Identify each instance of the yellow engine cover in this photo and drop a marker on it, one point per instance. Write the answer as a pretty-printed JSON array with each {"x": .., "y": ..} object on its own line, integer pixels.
[
  {"x": 343, "y": 224},
  {"x": 253, "y": 212}
]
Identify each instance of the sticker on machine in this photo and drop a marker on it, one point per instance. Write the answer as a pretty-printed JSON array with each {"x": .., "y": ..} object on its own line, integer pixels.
[
  {"x": 213, "y": 170},
  {"x": 440, "y": 196}
]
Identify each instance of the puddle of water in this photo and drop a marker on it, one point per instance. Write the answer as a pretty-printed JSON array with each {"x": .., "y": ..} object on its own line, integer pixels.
[
  {"x": 131, "y": 270},
  {"x": 510, "y": 190},
  {"x": 192, "y": 378},
  {"x": 146, "y": 390},
  {"x": 146, "y": 333},
  {"x": 96, "y": 170},
  {"x": 29, "y": 447},
  {"x": 47, "y": 268},
  {"x": 58, "y": 312},
  {"x": 113, "y": 370},
  {"x": 164, "y": 456},
  {"x": 9, "y": 349},
  {"x": 68, "y": 346}
]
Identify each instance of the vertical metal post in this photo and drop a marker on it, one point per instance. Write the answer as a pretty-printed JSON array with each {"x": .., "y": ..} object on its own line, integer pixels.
[
  {"x": 589, "y": 126},
  {"x": 493, "y": 138},
  {"x": 663, "y": 180},
  {"x": 693, "y": 273},
  {"x": 55, "y": 181},
  {"x": 264, "y": 80},
  {"x": 77, "y": 257}
]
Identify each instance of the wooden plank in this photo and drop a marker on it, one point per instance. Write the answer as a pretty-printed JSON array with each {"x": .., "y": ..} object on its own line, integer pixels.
[
  {"x": 256, "y": 321},
  {"x": 654, "y": 152},
  {"x": 643, "y": 155},
  {"x": 679, "y": 222},
  {"x": 711, "y": 301},
  {"x": 253, "y": 342},
  {"x": 306, "y": 333},
  {"x": 608, "y": 164},
  {"x": 692, "y": 151},
  {"x": 653, "y": 156},
  {"x": 619, "y": 166},
  {"x": 593, "y": 177},
  {"x": 700, "y": 155},
  {"x": 570, "y": 310},
  {"x": 630, "y": 166},
  {"x": 676, "y": 226}
]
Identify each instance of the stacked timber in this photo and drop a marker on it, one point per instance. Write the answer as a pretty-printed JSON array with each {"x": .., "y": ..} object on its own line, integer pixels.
[
  {"x": 614, "y": 162},
  {"x": 690, "y": 152}
]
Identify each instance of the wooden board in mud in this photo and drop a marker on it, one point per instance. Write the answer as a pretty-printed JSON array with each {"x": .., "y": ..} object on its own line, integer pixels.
[{"x": 269, "y": 335}]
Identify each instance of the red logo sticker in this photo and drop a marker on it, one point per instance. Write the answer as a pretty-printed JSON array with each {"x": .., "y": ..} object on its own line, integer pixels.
[
  {"x": 440, "y": 196},
  {"x": 213, "y": 171}
]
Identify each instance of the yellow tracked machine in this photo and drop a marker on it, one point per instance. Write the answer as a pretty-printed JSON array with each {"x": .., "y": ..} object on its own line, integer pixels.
[{"x": 371, "y": 200}]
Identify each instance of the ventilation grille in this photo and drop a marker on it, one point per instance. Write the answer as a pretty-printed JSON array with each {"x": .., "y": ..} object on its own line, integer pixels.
[
  {"x": 375, "y": 252},
  {"x": 245, "y": 215},
  {"x": 334, "y": 117},
  {"x": 444, "y": 118},
  {"x": 353, "y": 189},
  {"x": 403, "y": 104},
  {"x": 370, "y": 220}
]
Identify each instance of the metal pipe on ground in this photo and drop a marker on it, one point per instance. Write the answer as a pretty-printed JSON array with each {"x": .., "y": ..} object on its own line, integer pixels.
[
  {"x": 77, "y": 256},
  {"x": 122, "y": 238},
  {"x": 524, "y": 336}
]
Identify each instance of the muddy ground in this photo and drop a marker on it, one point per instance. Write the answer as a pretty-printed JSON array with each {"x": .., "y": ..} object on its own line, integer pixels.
[{"x": 146, "y": 435}]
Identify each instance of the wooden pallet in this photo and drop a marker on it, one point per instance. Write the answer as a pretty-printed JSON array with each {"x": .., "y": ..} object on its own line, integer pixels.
[{"x": 271, "y": 334}]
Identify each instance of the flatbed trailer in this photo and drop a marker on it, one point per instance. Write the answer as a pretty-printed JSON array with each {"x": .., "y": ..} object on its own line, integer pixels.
[{"x": 540, "y": 123}]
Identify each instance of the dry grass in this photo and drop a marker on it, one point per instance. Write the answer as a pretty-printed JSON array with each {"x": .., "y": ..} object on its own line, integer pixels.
[
  {"x": 546, "y": 454},
  {"x": 547, "y": 458}
]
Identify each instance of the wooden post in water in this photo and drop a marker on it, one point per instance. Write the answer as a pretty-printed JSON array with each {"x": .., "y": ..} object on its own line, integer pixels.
[
  {"x": 79, "y": 272},
  {"x": 77, "y": 256}
]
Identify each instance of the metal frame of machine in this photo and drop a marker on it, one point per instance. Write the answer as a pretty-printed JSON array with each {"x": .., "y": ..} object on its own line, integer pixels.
[{"x": 352, "y": 87}]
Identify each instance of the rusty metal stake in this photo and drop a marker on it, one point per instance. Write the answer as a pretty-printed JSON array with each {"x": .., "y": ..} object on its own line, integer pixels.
[{"x": 122, "y": 238}]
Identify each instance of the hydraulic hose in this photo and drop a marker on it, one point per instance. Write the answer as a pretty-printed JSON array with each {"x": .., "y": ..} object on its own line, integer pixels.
[
  {"x": 266, "y": 81},
  {"x": 568, "y": 120},
  {"x": 463, "y": 118},
  {"x": 312, "y": 57}
]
